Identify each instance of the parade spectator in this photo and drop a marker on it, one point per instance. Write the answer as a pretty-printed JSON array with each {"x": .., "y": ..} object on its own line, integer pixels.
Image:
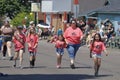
[
  {"x": 90, "y": 36},
  {"x": 32, "y": 25},
  {"x": 96, "y": 48},
  {"x": 59, "y": 32},
  {"x": 24, "y": 29},
  {"x": 101, "y": 31},
  {"x": 19, "y": 45},
  {"x": 39, "y": 32},
  {"x": 73, "y": 36},
  {"x": 2, "y": 74},
  {"x": 82, "y": 25},
  {"x": 32, "y": 40},
  {"x": 110, "y": 30},
  {"x": 93, "y": 25},
  {"x": 89, "y": 39},
  {"x": 118, "y": 31},
  {"x": 7, "y": 32}
]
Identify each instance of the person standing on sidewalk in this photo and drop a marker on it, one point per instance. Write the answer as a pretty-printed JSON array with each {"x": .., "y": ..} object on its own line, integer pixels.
[
  {"x": 32, "y": 40},
  {"x": 19, "y": 44},
  {"x": 73, "y": 36},
  {"x": 96, "y": 48}
]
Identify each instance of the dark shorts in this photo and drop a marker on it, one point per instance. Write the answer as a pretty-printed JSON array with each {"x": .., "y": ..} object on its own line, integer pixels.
[
  {"x": 7, "y": 38},
  {"x": 32, "y": 53}
]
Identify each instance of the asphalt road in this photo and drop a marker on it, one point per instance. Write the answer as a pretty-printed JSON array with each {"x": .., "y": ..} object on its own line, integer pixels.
[{"x": 45, "y": 68}]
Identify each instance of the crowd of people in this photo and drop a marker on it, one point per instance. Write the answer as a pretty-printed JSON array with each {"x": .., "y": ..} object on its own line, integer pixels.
[
  {"x": 77, "y": 30},
  {"x": 72, "y": 38},
  {"x": 18, "y": 36}
]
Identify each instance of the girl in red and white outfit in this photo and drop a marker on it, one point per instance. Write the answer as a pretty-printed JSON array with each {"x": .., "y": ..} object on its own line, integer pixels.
[
  {"x": 32, "y": 40},
  {"x": 96, "y": 48},
  {"x": 19, "y": 41},
  {"x": 60, "y": 45}
]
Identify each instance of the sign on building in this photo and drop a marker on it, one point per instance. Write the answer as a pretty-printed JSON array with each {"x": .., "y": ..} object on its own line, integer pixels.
[
  {"x": 47, "y": 6},
  {"x": 35, "y": 7},
  {"x": 62, "y": 5},
  {"x": 57, "y": 6}
]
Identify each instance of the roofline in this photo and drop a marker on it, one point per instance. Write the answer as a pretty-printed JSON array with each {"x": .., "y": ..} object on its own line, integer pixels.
[
  {"x": 92, "y": 17},
  {"x": 101, "y": 12}
]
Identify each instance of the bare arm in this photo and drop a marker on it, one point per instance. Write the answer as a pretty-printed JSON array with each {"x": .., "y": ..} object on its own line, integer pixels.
[{"x": 106, "y": 52}]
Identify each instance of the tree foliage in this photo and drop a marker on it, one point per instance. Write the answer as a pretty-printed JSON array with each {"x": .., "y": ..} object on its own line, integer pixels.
[
  {"x": 11, "y": 8},
  {"x": 22, "y": 18}
]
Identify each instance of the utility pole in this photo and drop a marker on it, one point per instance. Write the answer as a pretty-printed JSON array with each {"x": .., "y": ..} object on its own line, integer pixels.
[{"x": 76, "y": 3}]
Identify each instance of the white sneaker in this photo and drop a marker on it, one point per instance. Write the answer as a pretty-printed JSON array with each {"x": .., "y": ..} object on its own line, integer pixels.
[
  {"x": 20, "y": 67},
  {"x": 3, "y": 58}
]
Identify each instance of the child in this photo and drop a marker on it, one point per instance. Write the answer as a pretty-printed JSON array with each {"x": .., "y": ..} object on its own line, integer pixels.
[
  {"x": 60, "y": 45},
  {"x": 32, "y": 40},
  {"x": 19, "y": 41},
  {"x": 96, "y": 48}
]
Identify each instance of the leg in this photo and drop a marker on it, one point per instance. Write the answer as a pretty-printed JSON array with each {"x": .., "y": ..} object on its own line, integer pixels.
[
  {"x": 72, "y": 63},
  {"x": 31, "y": 59},
  {"x": 15, "y": 58},
  {"x": 95, "y": 65},
  {"x": 4, "y": 50},
  {"x": 76, "y": 47},
  {"x": 71, "y": 51},
  {"x": 98, "y": 64},
  {"x": 9, "y": 46},
  {"x": 21, "y": 58},
  {"x": 59, "y": 57}
]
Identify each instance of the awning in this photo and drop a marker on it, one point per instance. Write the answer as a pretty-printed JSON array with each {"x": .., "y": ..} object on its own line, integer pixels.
[{"x": 43, "y": 25}]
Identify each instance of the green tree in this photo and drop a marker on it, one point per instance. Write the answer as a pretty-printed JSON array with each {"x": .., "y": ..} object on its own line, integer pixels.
[
  {"x": 19, "y": 19},
  {"x": 11, "y": 8}
]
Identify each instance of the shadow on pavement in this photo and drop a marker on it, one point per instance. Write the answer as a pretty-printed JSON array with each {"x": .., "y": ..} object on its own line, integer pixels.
[
  {"x": 5, "y": 67},
  {"x": 51, "y": 77},
  {"x": 35, "y": 67},
  {"x": 75, "y": 67}
]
